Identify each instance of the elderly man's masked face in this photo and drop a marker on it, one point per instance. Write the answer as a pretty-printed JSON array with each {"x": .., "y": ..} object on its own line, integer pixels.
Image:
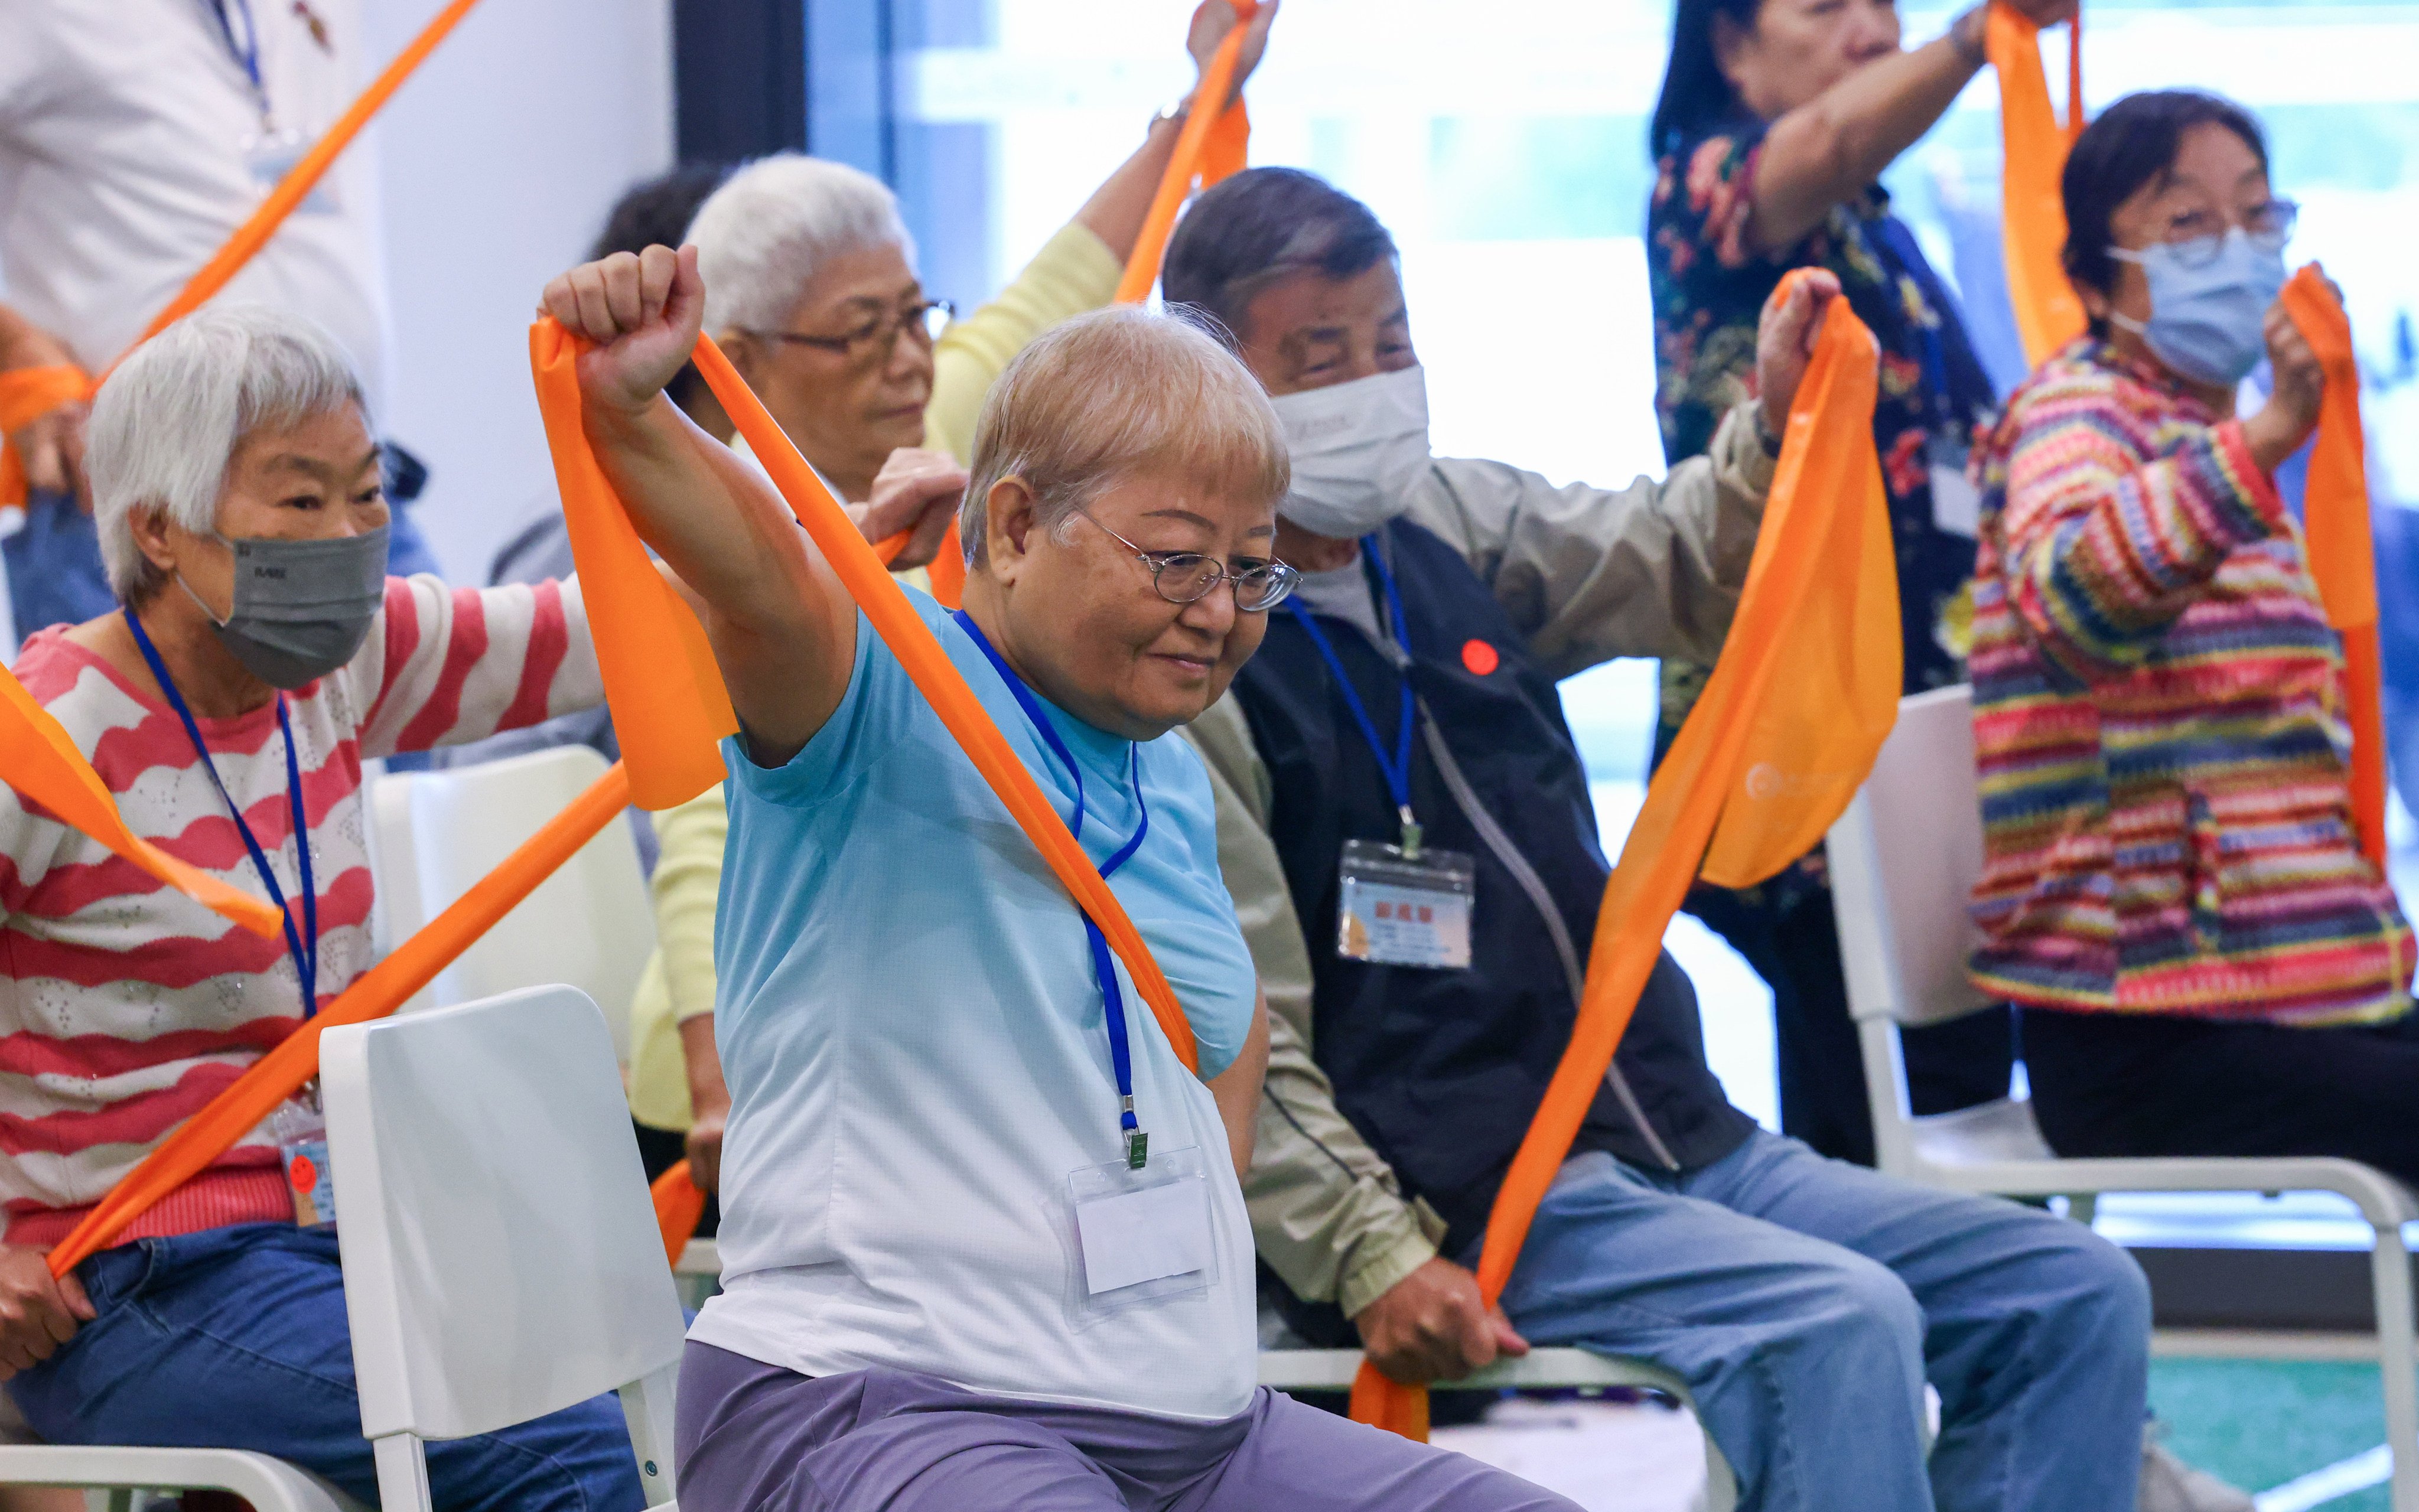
[{"x": 1335, "y": 356}]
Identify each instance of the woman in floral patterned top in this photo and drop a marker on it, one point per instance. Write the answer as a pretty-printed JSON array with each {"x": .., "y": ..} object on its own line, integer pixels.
[{"x": 1776, "y": 119}]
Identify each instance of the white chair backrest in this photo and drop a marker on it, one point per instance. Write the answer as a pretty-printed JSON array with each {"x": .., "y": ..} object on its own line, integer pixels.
[
  {"x": 1903, "y": 860},
  {"x": 590, "y": 925},
  {"x": 501, "y": 1259}
]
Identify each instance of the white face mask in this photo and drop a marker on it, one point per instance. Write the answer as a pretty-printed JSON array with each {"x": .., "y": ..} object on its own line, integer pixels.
[{"x": 1357, "y": 450}]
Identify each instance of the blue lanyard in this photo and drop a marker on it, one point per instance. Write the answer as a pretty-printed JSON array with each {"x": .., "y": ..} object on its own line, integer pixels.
[
  {"x": 1397, "y": 766},
  {"x": 306, "y": 961},
  {"x": 248, "y": 55},
  {"x": 1104, "y": 971}
]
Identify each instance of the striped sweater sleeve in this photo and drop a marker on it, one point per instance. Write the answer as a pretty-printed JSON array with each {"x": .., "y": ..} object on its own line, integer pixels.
[
  {"x": 451, "y": 665},
  {"x": 2107, "y": 540}
]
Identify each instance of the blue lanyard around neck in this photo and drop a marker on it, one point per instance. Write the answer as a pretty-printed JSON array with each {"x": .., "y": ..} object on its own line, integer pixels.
[
  {"x": 247, "y": 57},
  {"x": 306, "y": 961},
  {"x": 1397, "y": 766},
  {"x": 1104, "y": 971}
]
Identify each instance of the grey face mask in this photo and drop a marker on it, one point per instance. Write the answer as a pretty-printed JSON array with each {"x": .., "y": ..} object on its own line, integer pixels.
[{"x": 301, "y": 608}]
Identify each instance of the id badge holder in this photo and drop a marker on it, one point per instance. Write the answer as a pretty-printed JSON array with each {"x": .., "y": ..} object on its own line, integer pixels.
[
  {"x": 1956, "y": 503},
  {"x": 271, "y": 154},
  {"x": 302, "y": 1132},
  {"x": 1141, "y": 1236},
  {"x": 1396, "y": 909}
]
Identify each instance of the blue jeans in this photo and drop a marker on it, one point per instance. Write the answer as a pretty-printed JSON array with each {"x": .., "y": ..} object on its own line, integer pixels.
[
  {"x": 1806, "y": 1302},
  {"x": 235, "y": 1338}
]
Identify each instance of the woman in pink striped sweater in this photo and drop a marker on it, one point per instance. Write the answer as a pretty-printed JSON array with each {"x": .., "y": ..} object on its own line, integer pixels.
[
  {"x": 2173, "y": 892},
  {"x": 262, "y": 655}
]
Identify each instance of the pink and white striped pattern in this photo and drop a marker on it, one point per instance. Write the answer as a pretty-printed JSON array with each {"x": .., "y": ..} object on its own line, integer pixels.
[{"x": 124, "y": 1007}]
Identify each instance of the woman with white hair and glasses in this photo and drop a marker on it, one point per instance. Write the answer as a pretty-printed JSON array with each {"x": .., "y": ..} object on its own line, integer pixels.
[
  {"x": 813, "y": 292},
  {"x": 983, "y": 1241},
  {"x": 260, "y": 654}
]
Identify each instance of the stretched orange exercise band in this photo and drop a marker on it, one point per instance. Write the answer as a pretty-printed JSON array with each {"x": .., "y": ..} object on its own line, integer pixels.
[
  {"x": 1804, "y": 693},
  {"x": 2032, "y": 210},
  {"x": 653, "y": 682},
  {"x": 680, "y": 1205},
  {"x": 2342, "y": 554},
  {"x": 377, "y": 992},
  {"x": 25, "y": 387}
]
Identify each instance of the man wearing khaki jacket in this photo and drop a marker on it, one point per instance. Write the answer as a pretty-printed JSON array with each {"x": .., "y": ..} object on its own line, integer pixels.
[{"x": 1406, "y": 828}]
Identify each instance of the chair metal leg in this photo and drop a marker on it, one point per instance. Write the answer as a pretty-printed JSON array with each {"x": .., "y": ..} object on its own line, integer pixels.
[{"x": 2395, "y": 1351}]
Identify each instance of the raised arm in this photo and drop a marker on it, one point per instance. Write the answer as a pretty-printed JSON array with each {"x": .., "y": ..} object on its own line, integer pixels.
[
  {"x": 1830, "y": 149},
  {"x": 783, "y": 630}
]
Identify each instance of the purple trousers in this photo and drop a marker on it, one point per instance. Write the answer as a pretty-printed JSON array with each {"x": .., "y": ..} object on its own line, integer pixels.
[{"x": 755, "y": 1438}]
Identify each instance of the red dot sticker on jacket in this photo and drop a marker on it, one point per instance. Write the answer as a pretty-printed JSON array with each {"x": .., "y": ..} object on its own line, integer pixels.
[{"x": 1479, "y": 657}]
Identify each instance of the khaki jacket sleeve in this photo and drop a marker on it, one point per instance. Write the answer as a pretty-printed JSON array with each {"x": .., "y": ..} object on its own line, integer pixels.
[
  {"x": 1590, "y": 574},
  {"x": 1074, "y": 272},
  {"x": 1327, "y": 1212}
]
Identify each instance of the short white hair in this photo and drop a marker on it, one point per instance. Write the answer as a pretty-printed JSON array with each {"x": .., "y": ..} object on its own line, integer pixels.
[
  {"x": 772, "y": 226},
  {"x": 165, "y": 427}
]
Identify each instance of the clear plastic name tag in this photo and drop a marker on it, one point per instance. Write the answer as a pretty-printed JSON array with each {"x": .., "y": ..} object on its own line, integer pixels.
[
  {"x": 1404, "y": 910},
  {"x": 302, "y": 1132},
  {"x": 1142, "y": 1235},
  {"x": 1956, "y": 503},
  {"x": 270, "y": 155}
]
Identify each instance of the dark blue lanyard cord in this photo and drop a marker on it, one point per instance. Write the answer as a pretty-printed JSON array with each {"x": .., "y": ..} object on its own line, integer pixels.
[
  {"x": 306, "y": 961},
  {"x": 248, "y": 55},
  {"x": 1104, "y": 971},
  {"x": 1396, "y": 766}
]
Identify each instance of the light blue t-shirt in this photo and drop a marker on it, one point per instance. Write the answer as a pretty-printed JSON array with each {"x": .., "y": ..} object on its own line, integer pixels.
[{"x": 919, "y": 1059}]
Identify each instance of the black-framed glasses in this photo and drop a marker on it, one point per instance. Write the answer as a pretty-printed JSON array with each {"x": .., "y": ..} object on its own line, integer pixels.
[
  {"x": 2198, "y": 234},
  {"x": 919, "y": 323},
  {"x": 1189, "y": 576}
]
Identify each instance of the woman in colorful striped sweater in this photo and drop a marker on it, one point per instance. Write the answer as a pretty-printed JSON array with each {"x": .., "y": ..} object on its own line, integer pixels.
[
  {"x": 261, "y": 655},
  {"x": 2172, "y": 890}
]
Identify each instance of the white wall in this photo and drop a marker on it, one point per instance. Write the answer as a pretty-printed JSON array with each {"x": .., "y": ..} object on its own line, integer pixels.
[{"x": 498, "y": 162}]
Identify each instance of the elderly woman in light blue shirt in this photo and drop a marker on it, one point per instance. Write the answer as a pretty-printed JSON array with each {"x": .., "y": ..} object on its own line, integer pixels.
[{"x": 983, "y": 1239}]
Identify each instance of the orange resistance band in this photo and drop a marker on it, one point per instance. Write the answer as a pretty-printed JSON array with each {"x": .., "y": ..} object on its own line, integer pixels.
[
  {"x": 679, "y": 1204},
  {"x": 652, "y": 686},
  {"x": 379, "y": 991},
  {"x": 2342, "y": 555},
  {"x": 1742, "y": 778},
  {"x": 45, "y": 768},
  {"x": 1193, "y": 158},
  {"x": 26, "y": 385},
  {"x": 2033, "y": 213}
]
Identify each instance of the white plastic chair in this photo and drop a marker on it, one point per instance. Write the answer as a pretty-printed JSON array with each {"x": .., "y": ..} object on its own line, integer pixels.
[
  {"x": 115, "y": 1478},
  {"x": 1903, "y": 860},
  {"x": 590, "y": 925},
  {"x": 501, "y": 1259}
]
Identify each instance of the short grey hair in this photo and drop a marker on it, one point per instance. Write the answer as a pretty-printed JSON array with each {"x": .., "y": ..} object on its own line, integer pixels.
[
  {"x": 774, "y": 224},
  {"x": 165, "y": 427},
  {"x": 1116, "y": 395}
]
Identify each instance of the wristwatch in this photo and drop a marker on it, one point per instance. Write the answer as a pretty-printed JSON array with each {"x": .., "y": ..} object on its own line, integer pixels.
[{"x": 1175, "y": 110}]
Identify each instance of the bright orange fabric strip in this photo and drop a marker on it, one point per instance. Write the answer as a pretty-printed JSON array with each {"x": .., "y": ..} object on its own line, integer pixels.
[
  {"x": 2075, "y": 117},
  {"x": 680, "y": 1206},
  {"x": 26, "y": 394},
  {"x": 1192, "y": 144},
  {"x": 2048, "y": 312},
  {"x": 43, "y": 766},
  {"x": 2342, "y": 553},
  {"x": 947, "y": 571},
  {"x": 377, "y": 992},
  {"x": 1813, "y": 546},
  {"x": 861, "y": 571},
  {"x": 668, "y": 699}
]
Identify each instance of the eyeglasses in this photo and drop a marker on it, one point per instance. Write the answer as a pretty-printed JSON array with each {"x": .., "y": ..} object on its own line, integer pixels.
[
  {"x": 1188, "y": 577},
  {"x": 2198, "y": 235},
  {"x": 879, "y": 335}
]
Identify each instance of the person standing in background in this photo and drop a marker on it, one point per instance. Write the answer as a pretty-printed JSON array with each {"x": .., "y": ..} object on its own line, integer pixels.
[
  {"x": 135, "y": 136},
  {"x": 1775, "y": 121}
]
